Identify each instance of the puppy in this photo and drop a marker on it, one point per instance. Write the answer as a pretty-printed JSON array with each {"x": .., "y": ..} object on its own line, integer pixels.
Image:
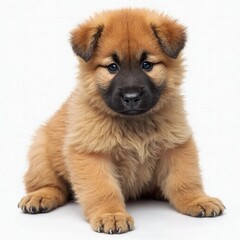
[{"x": 122, "y": 133}]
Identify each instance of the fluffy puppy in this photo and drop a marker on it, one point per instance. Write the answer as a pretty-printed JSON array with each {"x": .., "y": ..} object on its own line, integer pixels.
[{"x": 123, "y": 132}]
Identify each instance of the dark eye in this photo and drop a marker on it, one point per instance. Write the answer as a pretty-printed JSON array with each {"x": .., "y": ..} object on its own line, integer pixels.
[
  {"x": 112, "y": 68},
  {"x": 147, "y": 66}
]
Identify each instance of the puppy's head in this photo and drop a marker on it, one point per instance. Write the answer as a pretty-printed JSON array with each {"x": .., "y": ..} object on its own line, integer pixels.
[{"x": 130, "y": 61}]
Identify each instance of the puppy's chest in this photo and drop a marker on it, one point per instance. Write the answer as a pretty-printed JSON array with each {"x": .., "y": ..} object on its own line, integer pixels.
[
  {"x": 135, "y": 166},
  {"x": 136, "y": 150}
]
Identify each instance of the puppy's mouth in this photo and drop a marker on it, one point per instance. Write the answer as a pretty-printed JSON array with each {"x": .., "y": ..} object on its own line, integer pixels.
[
  {"x": 131, "y": 101},
  {"x": 133, "y": 112}
]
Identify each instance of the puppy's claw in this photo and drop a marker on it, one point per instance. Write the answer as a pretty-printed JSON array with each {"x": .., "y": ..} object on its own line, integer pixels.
[
  {"x": 99, "y": 229},
  {"x": 201, "y": 214},
  {"x": 24, "y": 209},
  {"x": 119, "y": 231},
  {"x": 110, "y": 231},
  {"x": 43, "y": 209},
  {"x": 33, "y": 210}
]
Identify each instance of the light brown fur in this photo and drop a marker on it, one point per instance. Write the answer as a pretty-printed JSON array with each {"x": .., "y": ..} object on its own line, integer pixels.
[{"x": 107, "y": 158}]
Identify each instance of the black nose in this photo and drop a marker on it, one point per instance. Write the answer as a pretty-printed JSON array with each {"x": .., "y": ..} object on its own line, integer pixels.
[{"x": 131, "y": 99}]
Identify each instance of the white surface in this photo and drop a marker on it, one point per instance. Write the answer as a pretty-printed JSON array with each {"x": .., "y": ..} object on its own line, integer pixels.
[{"x": 37, "y": 73}]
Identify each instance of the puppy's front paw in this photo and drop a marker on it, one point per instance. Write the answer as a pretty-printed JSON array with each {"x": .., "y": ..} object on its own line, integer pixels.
[
  {"x": 112, "y": 223},
  {"x": 36, "y": 204},
  {"x": 204, "y": 207}
]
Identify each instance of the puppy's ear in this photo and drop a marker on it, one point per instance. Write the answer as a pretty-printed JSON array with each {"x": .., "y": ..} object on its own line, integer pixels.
[
  {"x": 171, "y": 36},
  {"x": 84, "y": 40}
]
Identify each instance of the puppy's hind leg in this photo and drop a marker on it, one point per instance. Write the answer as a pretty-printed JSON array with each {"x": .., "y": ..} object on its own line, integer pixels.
[{"x": 45, "y": 189}]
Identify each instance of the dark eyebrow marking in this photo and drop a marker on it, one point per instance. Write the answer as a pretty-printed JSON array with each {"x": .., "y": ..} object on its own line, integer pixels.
[
  {"x": 116, "y": 58},
  {"x": 143, "y": 57}
]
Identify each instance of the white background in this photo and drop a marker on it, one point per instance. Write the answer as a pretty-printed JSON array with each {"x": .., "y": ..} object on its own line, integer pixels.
[{"x": 37, "y": 73}]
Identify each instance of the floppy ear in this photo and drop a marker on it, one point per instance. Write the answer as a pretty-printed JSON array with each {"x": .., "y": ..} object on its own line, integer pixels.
[
  {"x": 84, "y": 40},
  {"x": 171, "y": 36}
]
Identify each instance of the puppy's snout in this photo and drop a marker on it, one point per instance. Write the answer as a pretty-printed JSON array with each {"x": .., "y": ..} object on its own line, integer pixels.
[{"x": 132, "y": 98}]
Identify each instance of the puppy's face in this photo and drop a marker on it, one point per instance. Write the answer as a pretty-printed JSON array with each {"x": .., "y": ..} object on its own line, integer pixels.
[
  {"x": 127, "y": 83},
  {"x": 130, "y": 59}
]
